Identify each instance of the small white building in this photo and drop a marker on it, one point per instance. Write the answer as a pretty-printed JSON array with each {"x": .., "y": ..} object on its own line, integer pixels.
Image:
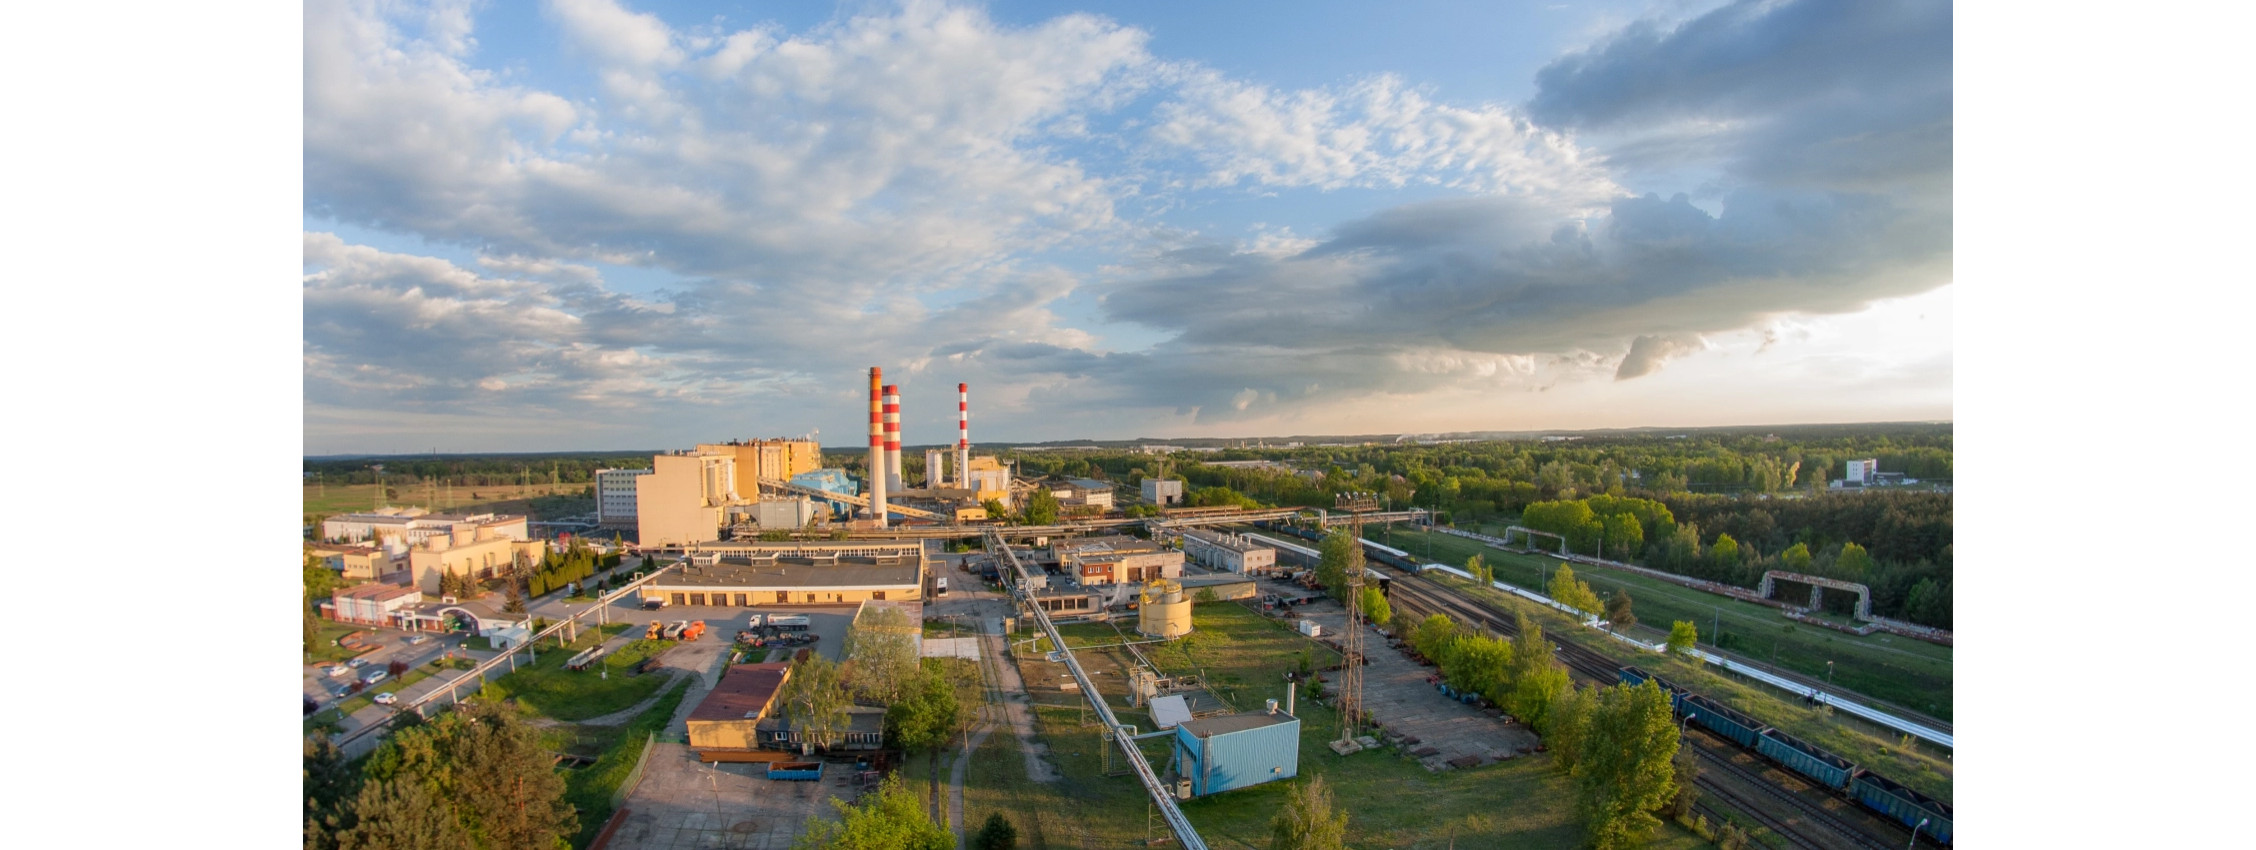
[
  {"x": 615, "y": 496},
  {"x": 1163, "y": 493},
  {"x": 1228, "y": 552},
  {"x": 1861, "y": 472}
]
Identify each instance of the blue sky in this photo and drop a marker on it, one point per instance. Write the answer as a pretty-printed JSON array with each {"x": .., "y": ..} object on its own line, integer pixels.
[{"x": 587, "y": 224}]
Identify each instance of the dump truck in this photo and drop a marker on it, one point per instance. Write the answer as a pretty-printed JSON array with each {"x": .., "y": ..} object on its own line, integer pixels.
[
  {"x": 656, "y": 629},
  {"x": 788, "y": 622},
  {"x": 804, "y": 771}
]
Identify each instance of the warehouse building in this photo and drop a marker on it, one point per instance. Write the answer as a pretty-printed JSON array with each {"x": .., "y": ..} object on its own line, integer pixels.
[
  {"x": 749, "y": 574},
  {"x": 1231, "y": 552},
  {"x": 729, "y": 716},
  {"x": 1217, "y": 754},
  {"x": 372, "y": 604},
  {"x": 1162, "y": 493}
]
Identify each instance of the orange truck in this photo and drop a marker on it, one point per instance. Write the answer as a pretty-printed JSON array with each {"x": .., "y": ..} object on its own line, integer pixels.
[
  {"x": 656, "y": 628},
  {"x": 696, "y": 630}
]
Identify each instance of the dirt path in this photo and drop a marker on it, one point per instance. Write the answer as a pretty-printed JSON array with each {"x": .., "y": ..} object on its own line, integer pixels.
[{"x": 1015, "y": 709}]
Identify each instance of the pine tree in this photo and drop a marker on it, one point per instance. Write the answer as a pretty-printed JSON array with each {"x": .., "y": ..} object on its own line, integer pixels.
[{"x": 402, "y": 816}]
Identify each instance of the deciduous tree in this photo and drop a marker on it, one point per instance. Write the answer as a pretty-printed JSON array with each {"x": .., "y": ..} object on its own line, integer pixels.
[
  {"x": 1308, "y": 820},
  {"x": 998, "y": 833},
  {"x": 814, "y": 700},
  {"x": 1375, "y": 608},
  {"x": 1683, "y": 636},
  {"x": 1625, "y": 767},
  {"x": 890, "y": 819},
  {"x": 927, "y": 717},
  {"x": 1338, "y": 551},
  {"x": 402, "y": 815},
  {"x": 1618, "y": 610}
]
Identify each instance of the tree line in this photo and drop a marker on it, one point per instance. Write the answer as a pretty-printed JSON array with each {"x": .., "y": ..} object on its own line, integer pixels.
[{"x": 475, "y": 470}]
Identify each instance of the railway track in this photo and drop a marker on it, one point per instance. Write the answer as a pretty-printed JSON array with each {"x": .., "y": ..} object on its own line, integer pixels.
[{"x": 1830, "y": 831}]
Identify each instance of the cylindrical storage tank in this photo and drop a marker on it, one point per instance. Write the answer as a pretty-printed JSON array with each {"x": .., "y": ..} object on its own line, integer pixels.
[{"x": 1164, "y": 612}]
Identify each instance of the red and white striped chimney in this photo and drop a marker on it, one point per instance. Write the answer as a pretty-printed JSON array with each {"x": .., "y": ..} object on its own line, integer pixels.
[
  {"x": 893, "y": 437},
  {"x": 963, "y": 436},
  {"x": 877, "y": 445}
]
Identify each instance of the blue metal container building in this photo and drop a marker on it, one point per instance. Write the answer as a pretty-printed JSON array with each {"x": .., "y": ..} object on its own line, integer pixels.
[
  {"x": 1904, "y": 805},
  {"x": 1724, "y": 721},
  {"x": 1828, "y": 769},
  {"x": 1227, "y": 753}
]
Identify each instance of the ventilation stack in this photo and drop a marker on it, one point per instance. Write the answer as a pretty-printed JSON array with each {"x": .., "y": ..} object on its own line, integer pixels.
[
  {"x": 963, "y": 437},
  {"x": 893, "y": 438},
  {"x": 935, "y": 468},
  {"x": 877, "y": 446}
]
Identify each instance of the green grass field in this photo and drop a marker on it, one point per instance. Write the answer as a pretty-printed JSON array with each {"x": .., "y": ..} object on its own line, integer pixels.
[
  {"x": 547, "y": 689},
  {"x": 1908, "y": 673},
  {"x": 589, "y": 789},
  {"x": 1392, "y": 801},
  {"x": 325, "y": 648}
]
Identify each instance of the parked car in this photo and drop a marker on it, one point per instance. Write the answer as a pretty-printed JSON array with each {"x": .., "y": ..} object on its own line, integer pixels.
[
  {"x": 340, "y": 691},
  {"x": 413, "y": 640},
  {"x": 311, "y": 706},
  {"x": 373, "y": 676},
  {"x": 387, "y": 698},
  {"x": 356, "y": 663},
  {"x": 335, "y": 670}
]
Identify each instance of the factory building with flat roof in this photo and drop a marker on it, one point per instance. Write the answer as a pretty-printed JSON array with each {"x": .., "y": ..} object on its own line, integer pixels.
[
  {"x": 1222, "y": 550},
  {"x": 750, "y": 574}
]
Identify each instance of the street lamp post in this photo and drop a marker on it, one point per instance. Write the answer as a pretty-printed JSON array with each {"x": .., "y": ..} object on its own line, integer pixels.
[
  {"x": 1829, "y": 674},
  {"x": 1680, "y": 724},
  {"x": 1915, "y": 834}
]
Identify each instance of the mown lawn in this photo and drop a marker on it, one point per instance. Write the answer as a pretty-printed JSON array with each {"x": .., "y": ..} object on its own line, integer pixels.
[
  {"x": 325, "y": 648},
  {"x": 547, "y": 689},
  {"x": 1392, "y": 801}
]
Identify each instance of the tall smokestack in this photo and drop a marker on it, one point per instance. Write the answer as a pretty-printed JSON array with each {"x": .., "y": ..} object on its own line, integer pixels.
[
  {"x": 963, "y": 436},
  {"x": 893, "y": 438},
  {"x": 877, "y": 445}
]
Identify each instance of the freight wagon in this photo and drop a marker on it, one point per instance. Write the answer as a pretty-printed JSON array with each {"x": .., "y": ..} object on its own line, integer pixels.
[
  {"x": 1868, "y": 789},
  {"x": 1905, "y": 805}
]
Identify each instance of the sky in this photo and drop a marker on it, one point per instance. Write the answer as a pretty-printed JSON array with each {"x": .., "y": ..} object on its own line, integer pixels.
[{"x": 591, "y": 224}]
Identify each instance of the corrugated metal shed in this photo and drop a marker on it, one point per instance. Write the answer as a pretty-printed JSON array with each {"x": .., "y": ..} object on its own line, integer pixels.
[{"x": 1237, "y": 751}]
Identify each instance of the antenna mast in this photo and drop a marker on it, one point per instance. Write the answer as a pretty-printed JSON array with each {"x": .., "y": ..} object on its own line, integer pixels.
[{"x": 1351, "y": 667}]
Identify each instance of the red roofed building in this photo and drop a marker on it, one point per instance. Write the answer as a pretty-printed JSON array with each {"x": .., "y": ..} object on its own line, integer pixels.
[{"x": 729, "y": 716}]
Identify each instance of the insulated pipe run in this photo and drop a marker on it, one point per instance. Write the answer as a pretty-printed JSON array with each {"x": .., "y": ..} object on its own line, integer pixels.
[
  {"x": 877, "y": 446},
  {"x": 893, "y": 438},
  {"x": 963, "y": 436}
]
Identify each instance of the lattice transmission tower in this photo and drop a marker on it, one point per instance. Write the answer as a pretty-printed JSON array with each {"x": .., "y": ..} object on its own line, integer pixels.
[{"x": 1351, "y": 667}]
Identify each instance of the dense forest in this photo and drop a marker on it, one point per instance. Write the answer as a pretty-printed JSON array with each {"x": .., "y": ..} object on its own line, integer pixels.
[{"x": 475, "y": 470}]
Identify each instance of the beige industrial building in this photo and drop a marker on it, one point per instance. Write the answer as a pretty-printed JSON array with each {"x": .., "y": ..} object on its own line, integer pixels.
[
  {"x": 478, "y": 558},
  {"x": 414, "y": 526},
  {"x": 776, "y": 459},
  {"x": 989, "y": 479},
  {"x": 684, "y": 498},
  {"x": 1162, "y": 493},
  {"x": 361, "y": 564},
  {"x": 729, "y": 716},
  {"x": 1082, "y": 492},
  {"x": 1102, "y": 560},
  {"x": 1231, "y": 552},
  {"x": 749, "y": 574}
]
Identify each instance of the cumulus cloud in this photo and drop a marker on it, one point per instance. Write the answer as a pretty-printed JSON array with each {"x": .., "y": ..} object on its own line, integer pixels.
[
  {"x": 958, "y": 199},
  {"x": 1646, "y": 353},
  {"x": 1848, "y": 96}
]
